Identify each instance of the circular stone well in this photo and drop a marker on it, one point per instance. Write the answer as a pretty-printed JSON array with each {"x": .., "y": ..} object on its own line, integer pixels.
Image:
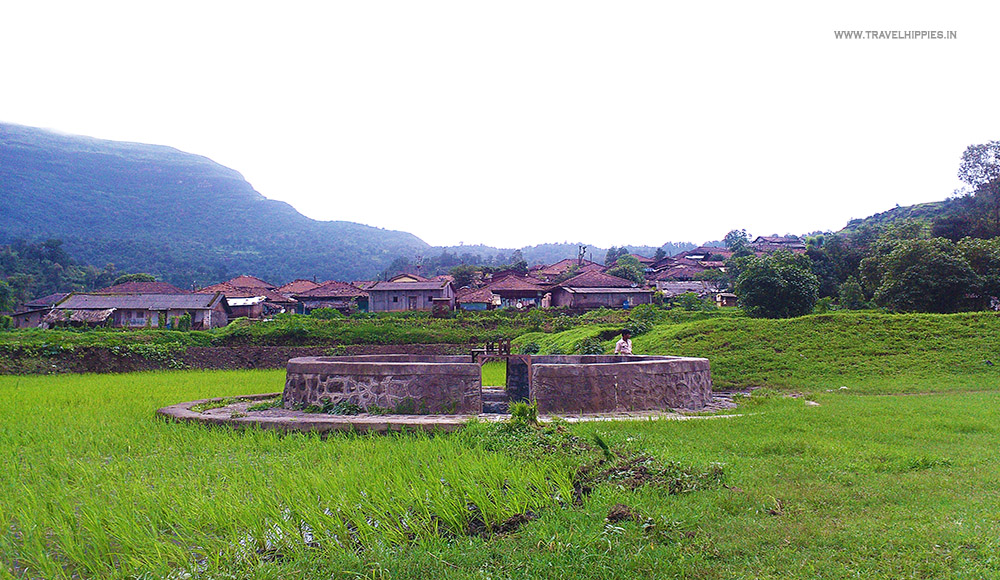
[{"x": 418, "y": 384}]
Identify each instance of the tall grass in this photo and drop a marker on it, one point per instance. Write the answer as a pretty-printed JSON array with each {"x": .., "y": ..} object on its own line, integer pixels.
[{"x": 95, "y": 487}]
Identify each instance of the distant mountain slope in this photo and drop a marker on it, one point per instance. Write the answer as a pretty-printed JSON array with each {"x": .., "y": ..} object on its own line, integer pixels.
[{"x": 180, "y": 216}]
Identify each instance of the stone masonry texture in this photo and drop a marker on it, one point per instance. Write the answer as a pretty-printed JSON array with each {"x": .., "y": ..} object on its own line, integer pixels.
[
  {"x": 600, "y": 383},
  {"x": 412, "y": 384}
]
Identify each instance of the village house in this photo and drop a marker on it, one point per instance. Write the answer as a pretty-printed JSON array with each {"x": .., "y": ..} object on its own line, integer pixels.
[
  {"x": 409, "y": 292},
  {"x": 251, "y": 297},
  {"x": 592, "y": 290},
  {"x": 768, "y": 244},
  {"x": 332, "y": 294},
  {"x": 689, "y": 265},
  {"x": 553, "y": 271},
  {"x": 476, "y": 299},
  {"x": 703, "y": 288},
  {"x": 30, "y": 314},
  {"x": 140, "y": 310},
  {"x": 519, "y": 292},
  {"x": 725, "y": 300}
]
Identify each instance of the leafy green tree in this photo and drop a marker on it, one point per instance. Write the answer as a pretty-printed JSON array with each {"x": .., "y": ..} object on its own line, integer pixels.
[
  {"x": 6, "y": 297},
  {"x": 463, "y": 275},
  {"x": 630, "y": 268},
  {"x": 872, "y": 267},
  {"x": 983, "y": 256},
  {"x": 852, "y": 296},
  {"x": 823, "y": 267},
  {"x": 776, "y": 286},
  {"x": 980, "y": 169},
  {"x": 611, "y": 258},
  {"x": 659, "y": 254},
  {"x": 925, "y": 275},
  {"x": 736, "y": 239}
]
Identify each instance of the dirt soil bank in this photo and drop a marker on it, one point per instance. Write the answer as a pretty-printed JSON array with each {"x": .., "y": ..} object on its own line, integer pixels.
[{"x": 106, "y": 360}]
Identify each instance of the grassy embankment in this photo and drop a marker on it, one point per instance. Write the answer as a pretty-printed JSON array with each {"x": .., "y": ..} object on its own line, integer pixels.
[{"x": 854, "y": 486}]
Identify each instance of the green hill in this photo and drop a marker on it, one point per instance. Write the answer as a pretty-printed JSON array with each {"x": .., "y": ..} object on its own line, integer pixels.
[
  {"x": 928, "y": 212},
  {"x": 180, "y": 216}
]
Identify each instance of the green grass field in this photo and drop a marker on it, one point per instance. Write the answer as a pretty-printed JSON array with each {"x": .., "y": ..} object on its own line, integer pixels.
[{"x": 893, "y": 477}]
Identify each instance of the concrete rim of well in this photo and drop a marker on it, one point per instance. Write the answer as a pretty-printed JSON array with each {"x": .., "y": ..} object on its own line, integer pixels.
[{"x": 236, "y": 415}]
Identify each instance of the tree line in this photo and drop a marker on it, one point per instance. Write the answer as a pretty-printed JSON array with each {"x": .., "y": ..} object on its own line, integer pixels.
[
  {"x": 947, "y": 264},
  {"x": 30, "y": 270}
]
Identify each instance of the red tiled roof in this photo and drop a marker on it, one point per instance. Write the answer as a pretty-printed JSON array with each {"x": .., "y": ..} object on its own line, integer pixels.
[
  {"x": 249, "y": 282},
  {"x": 642, "y": 259},
  {"x": 142, "y": 288},
  {"x": 515, "y": 283},
  {"x": 364, "y": 284},
  {"x": 596, "y": 280},
  {"x": 778, "y": 240},
  {"x": 482, "y": 295},
  {"x": 333, "y": 288},
  {"x": 230, "y": 291},
  {"x": 563, "y": 266},
  {"x": 429, "y": 285},
  {"x": 709, "y": 250},
  {"x": 45, "y": 301},
  {"x": 416, "y": 277},
  {"x": 679, "y": 272},
  {"x": 220, "y": 287},
  {"x": 296, "y": 286}
]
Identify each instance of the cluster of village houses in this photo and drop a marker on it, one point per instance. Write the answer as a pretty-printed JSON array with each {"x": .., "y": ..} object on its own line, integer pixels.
[{"x": 576, "y": 284}]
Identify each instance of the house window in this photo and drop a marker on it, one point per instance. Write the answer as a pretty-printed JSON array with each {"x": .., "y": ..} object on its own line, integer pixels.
[
  {"x": 430, "y": 298},
  {"x": 395, "y": 298}
]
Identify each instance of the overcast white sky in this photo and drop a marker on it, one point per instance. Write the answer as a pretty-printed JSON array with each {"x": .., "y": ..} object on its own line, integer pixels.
[{"x": 516, "y": 123}]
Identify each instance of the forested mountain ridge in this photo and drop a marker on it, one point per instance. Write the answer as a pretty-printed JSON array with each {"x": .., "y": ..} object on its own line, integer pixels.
[
  {"x": 189, "y": 220},
  {"x": 179, "y": 216}
]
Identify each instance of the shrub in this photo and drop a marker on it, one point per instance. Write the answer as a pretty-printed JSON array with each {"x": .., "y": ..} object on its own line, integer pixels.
[
  {"x": 326, "y": 313},
  {"x": 523, "y": 414},
  {"x": 642, "y": 318},
  {"x": 530, "y": 348},
  {"x": 184, "y": 323},
  {"x": 691, "y": 302},
  {"x": 590, "y": 345},
  {"x": 852, "y": 297},
  {"x": 823, "y": 305},
  {"x": 6, "y": 322}
]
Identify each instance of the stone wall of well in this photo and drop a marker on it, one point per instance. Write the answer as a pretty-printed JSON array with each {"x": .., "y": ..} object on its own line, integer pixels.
[
  {"x": 414, "y": 383},
  {"x": 603, "y": 383}
]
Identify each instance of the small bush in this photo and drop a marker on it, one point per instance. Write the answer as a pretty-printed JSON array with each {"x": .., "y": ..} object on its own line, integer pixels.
[
  {"x": 6, "y": 323},
  {"x": 530, "y": 348},
  {"x": 326, "y": 313},
  {"x": 523, "y": 414},
  {"x": 590, "y": 346},
  {"x": 184, "y": 323}
]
